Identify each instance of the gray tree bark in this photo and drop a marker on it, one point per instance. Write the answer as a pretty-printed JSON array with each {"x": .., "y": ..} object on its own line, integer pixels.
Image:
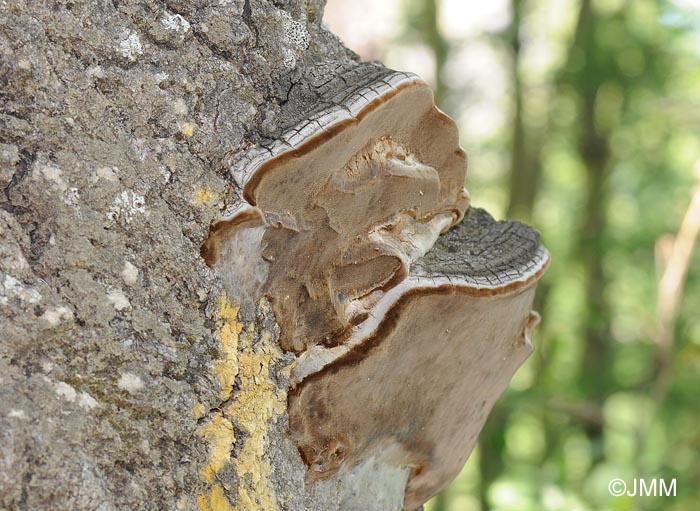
[
  {"x": 129, "y": 378},
  {"x": 114, "y": 121}
]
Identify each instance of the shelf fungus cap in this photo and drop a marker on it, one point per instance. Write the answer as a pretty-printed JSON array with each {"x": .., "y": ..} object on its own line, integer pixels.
[
  {"x": 408, "y": 318},
  {"x": 420, "y": 375},
  {"x": 346, "y": 199}
]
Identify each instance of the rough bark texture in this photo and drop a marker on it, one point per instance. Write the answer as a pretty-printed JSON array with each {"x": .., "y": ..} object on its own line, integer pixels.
[
  {"x": 114, "y": 121},
  {"x": 129, "y": 379}
]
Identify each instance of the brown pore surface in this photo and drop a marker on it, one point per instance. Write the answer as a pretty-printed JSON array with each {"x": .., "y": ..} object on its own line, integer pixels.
[
  {"x": 423, "y": 383},
  {"x": 400, "y": 157}
]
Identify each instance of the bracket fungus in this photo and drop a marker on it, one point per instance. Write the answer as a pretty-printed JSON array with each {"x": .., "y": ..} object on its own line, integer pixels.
[{"x": 407, "y": 317}]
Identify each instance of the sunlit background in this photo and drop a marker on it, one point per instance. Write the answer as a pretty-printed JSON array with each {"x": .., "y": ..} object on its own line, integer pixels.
[{"x": 582, "y": 118}]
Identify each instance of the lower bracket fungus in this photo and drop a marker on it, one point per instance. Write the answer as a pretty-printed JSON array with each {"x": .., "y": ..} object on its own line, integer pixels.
[
  {"x": 420, "y": 375},
  {"x": 407, "y": 316}
]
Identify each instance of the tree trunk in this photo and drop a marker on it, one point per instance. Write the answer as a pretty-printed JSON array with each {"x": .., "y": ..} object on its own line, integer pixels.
[{"x": 131, "y": 374}]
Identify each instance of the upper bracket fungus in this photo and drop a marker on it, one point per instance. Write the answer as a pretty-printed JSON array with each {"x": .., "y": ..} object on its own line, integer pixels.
[
  {"x": 349, "y": 196},
  {"x": 408, "y": 318}
]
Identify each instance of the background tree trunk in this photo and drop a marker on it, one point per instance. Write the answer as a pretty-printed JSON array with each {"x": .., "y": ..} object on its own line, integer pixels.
[{"x": 126, "y": 381}]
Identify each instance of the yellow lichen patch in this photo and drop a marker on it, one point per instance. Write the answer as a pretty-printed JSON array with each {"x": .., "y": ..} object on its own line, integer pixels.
[
  {"x": 198, "y": 411},
  {"x": 257, "y": 402},
  {"x": 218, "y": 433},
  {"x": 215, "y": 501},
  {"x": 226, "y": 368},
  {"x": 187, "y": 128},
  {"x": 203, "y": 196}
]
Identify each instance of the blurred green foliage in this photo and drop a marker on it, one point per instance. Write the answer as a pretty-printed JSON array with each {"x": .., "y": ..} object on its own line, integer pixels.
[{"x": 598, "y": 156}]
